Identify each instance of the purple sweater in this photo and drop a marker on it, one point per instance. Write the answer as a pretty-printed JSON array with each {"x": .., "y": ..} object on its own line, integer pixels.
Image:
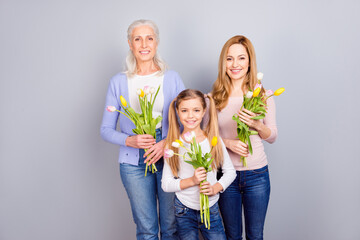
[{"x": 118, "y": 86}]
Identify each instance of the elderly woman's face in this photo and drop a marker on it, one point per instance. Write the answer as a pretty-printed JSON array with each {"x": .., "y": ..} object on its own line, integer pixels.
[{"x": 143, "y": 43}]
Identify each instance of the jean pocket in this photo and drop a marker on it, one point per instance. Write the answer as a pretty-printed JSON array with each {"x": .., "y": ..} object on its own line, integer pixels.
[{"x": 180, "y": 210}]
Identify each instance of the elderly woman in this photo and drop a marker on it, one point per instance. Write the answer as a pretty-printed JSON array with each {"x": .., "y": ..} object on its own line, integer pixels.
[{"x": 144, "y": 68}]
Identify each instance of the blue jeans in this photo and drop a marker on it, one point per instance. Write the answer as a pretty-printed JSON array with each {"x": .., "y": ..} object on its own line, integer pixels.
[
  {"x": 144, "y": 194},
  {"x": 250, "y": 190},
  {"x": 188, "y": 223}
]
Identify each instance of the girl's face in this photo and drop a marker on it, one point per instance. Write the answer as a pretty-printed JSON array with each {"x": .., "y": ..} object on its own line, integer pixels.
[
  {"x": 191, "y": 113},
  {"x": 237, "y": 62},
  {"x": 143, "y": 43}
]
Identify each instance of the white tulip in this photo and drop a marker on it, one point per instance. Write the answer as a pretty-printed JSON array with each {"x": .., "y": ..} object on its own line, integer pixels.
[
  {"x": 249, "y": 94},
  {"x": 175, "y": 144},
  {"x": 260, "y": 76}
]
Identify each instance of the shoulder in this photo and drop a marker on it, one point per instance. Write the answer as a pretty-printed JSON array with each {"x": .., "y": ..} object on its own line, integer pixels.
[
  {"x": 171, "y": 74},
  {"x": 118, "y": 78}
]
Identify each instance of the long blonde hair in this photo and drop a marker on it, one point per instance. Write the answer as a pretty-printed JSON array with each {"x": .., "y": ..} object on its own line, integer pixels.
[
  {"x": 223, "y": 85},
  {"x": 210, "y": 130}
]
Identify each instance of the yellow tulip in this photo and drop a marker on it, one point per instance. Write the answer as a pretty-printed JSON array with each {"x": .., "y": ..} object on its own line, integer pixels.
[
  {"x": 142, "y": 93},
  {"x": 256, "y": 92},
  {"x": 279, "y": 91},
  {"x": 123, "y": 101},
  {"x": 214, "y": 141},
  {"x": 179, "y": 142}
]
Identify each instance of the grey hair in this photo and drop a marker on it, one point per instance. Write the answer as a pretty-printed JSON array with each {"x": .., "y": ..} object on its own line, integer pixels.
[{"x": 131, "y": 67}]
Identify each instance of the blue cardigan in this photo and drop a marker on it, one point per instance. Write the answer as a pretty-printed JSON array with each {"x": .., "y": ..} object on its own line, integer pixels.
[{"x": 172, "y": 86}]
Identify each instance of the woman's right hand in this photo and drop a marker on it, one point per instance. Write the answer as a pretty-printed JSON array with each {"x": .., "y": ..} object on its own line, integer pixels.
[
  {"x": 144, "y": 141},
  {"x": 199, "y": 175},
  {"x": 237, "y": 147}
]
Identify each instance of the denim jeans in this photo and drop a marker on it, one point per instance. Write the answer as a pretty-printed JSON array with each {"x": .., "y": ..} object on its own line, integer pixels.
[
  {"x": 188, "y": 223},
  {"x": 144, "y": 194},
  {"x": 250, "y": 191}
]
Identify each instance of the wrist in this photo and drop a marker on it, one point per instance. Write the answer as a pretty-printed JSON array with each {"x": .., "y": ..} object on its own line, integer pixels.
[
  {"x": 259, "y": 126},
  {"x": 128, "y": 141}
]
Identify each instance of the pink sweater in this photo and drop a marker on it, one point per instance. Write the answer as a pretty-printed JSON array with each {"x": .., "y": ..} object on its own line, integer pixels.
[{"x": 227, "y": 128}]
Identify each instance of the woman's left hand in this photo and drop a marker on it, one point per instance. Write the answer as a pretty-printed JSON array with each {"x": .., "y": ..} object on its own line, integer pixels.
[
  {"x": 154, "y": 153},
  {"x": 207, "y": 189},
  {"x": 246, "y": 115}
]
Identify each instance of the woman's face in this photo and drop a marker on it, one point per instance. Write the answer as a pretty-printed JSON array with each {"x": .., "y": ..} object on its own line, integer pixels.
[
  {"x": 143, "y": 43},
  {"x": 237, "y": 62}
]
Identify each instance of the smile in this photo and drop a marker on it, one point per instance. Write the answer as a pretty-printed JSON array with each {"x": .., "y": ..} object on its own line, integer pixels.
[
  {"x": 191, "y": 122},
  {"x": 235, "y": 70},
  {"x": 144, "y": 52}
]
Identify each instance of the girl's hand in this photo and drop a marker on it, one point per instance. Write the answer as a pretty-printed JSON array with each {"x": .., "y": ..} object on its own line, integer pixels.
[
  {"x": 154, "y": 153},
  {"x": 143, "y": 141},
  {"x": 237, "y": 147},
  {"x": 199, "y": 175},
  {"x": 207, "y": 189},
  {"x": 246, "y": 115}
]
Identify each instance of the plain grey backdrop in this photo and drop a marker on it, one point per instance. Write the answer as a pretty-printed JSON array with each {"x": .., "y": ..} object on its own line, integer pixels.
[{"x": 60, "y": 180}]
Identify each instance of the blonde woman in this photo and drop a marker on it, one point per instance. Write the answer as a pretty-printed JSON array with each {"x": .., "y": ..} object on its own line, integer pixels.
[
  {"x": 251, "y": 189},
  {"x": 144, "y": 68}
]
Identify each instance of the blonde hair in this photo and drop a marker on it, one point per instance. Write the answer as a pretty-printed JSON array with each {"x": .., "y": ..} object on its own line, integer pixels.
[
  {"x": 131, "y": 66},
  {"x": 211, "y": 130},
  {"x": 223, "y": 85}
]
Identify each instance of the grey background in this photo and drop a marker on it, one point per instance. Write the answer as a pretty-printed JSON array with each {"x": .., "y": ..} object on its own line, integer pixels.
[{"x": 60, "y": 180}]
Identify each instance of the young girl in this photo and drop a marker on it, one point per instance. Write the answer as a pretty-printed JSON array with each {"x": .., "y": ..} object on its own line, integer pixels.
[{"x": 180, "y": 177}]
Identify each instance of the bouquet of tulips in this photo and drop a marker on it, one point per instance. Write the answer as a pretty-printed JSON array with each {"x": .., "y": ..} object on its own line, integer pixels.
[
  {"x": 144, "y": 122},
  {"x": 256, "y": 104},
  {"x": 197, "y": 159}
]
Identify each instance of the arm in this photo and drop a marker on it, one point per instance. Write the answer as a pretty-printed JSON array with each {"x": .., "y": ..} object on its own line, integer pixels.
[
  {"x": 168, "y": 181},
  {"x": 199, "y": 175},
  {"x": 170, "y": 184},
  {"x": 108, "y": 126},
  {"x": 229, "y": 174}
]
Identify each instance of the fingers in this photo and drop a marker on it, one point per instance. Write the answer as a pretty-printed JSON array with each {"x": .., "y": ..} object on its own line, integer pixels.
[
  {"x": 206, "y": 188},
  {"x": 152, "y": 156},
  {"x": 154, "y": 153},
  {"x": 248, "y": 112},
  {"x": 199, "y": 175},
  {"x": 145, "y": 141},
  {"x": 245, "y": 116},
  {"x": 240, "y": 148}
]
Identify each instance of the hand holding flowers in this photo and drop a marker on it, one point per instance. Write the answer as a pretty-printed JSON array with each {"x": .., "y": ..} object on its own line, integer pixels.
[
  {"x": 202, "y": 164},
  {"x": 145, "y": 125},
  {"x": 252, "y": 110}
]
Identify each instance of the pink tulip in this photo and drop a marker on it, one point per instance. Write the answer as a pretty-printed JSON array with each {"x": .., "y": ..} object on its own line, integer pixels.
[
  {"x": 258, "y": 85},
  {"x": 146, "y": 90},
  {"x": 111, "y": 108},
  {"x": 188, "y": 136},
  {"x": 168, "y": 153},
  {"x": 269, "y": 92}
]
